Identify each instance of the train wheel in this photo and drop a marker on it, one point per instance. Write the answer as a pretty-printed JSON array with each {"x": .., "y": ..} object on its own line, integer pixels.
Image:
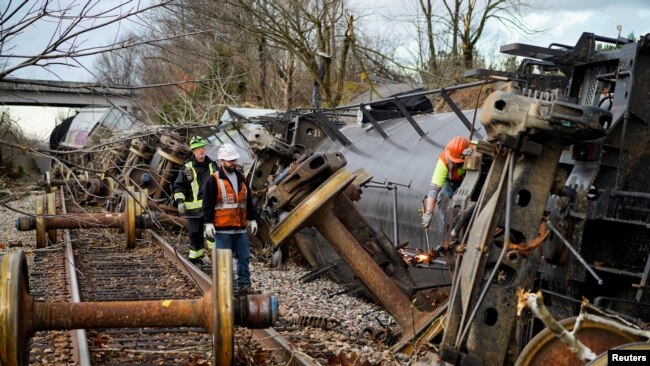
[
  {"x": 14, "y": 339},
  {"x": 41, "y": 240},
  {"x": 224, "y": 317},
  {"x": 51, "y": 210},
  {"x": 547, "y": 349}
]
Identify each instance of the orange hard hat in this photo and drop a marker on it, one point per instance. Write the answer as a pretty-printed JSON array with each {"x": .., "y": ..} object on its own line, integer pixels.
[{"x": 454, "y": 149}]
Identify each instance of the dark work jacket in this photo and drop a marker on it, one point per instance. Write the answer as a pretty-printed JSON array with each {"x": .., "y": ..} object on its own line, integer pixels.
[{"x": 181, "y": 185}]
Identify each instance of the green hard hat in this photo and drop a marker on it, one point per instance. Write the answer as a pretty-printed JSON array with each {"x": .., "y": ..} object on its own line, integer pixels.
[{"x": 196, "y": 142}]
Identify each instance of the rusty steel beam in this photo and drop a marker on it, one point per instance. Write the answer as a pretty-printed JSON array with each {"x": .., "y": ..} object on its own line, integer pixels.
[
  {"x": 372, "y": 276},
  {"x": 317, "y": 210}
]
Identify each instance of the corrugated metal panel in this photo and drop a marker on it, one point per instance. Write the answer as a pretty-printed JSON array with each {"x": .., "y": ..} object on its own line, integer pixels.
[{"x": 405, "y": 159}]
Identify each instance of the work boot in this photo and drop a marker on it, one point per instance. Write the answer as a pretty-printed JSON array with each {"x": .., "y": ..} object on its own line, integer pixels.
[{"x": 197, "y": 261}]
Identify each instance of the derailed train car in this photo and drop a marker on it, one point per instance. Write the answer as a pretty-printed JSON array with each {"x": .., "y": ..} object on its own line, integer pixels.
[
  {"x": 561, "y": 167},
  {"x": 104, "y": 150},
  {"x": 556, "y": 201}
]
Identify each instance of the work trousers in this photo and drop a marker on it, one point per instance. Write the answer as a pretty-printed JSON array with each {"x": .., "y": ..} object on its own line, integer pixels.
[
  {"x": 238, "y": 244},
  {"x": 195, "y": 232}
]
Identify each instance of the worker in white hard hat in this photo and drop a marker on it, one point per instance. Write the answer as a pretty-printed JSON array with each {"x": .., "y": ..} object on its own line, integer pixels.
[{"x": 228, "y": 211}]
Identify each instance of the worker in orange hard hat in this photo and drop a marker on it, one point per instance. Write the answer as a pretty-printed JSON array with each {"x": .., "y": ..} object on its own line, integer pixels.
[{"x": 448, "y": 174}]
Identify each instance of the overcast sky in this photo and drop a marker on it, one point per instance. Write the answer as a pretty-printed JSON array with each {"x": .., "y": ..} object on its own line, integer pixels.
[{"x": 560, "y": 21}]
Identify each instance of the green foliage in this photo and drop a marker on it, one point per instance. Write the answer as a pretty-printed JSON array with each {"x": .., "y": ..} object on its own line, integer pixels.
[
  {"x": 601, "y": 47},
  {"x": 510, "y": 64}
]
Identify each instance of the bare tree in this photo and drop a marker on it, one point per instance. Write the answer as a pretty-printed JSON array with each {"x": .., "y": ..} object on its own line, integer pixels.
[
  {"x": 9, "y": 130},
  {"x": 469, "y": 18},
  {"x": 319, "y": 34},
  {"x": 453, "y": 9},
  {"x": 455, "y": 27},
  {"x": 117, "y": 67},
  {"x": 74, "y": 22},
  {"x": 427, "y": 11}
]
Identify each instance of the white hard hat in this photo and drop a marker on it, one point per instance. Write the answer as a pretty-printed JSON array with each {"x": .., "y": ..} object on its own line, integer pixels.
[{"x": 227, "y": 152}]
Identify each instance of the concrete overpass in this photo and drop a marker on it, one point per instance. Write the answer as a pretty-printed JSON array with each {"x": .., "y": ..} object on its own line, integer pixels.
[{"x": 48, "y": 93}]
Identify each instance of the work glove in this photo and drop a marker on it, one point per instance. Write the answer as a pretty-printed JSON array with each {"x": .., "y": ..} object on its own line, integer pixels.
[
  {"x": 182, "y": 209},
  {"x": 426, "y": 219},
  {"x": 252, "y": 227},
  {"x": 210, "y": 230}
]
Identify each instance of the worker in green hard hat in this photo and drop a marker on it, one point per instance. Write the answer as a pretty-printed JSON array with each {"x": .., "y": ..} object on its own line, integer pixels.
[{"x": 188, "y": 194}]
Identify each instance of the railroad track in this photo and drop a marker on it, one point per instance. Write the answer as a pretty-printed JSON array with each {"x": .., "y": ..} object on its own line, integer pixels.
[
  {"x": 106, "y": 271},
  {"x": 154, "y": 269}
]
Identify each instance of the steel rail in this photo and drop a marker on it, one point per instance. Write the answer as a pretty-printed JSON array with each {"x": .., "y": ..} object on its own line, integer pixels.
[
  {"x": 269, "y": 338},
  {"x": 79, "y": 339}
]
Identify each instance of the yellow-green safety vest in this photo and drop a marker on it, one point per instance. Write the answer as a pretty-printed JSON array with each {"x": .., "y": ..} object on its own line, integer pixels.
[{"x": 195, "y": 203}]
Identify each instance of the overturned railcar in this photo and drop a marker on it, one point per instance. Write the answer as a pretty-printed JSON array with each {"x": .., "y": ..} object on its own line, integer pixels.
[{"x": 556, "y": 199}]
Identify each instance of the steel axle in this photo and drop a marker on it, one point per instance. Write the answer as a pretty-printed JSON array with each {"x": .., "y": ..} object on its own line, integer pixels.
[
  {"x": 128, "y": 220},
  {"x": 317, "y": 210},
  {"x": 21, "y": 316}
]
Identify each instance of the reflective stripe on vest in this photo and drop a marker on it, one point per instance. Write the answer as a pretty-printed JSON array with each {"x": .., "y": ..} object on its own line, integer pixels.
[
  {"x": 195, "y": 203},
  {"x": 230, "y": 209},
  {"x": 454, "y": 172}
]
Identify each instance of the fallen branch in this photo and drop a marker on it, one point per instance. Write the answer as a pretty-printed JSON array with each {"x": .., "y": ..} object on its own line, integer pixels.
[{"x": 534, "y": 302}]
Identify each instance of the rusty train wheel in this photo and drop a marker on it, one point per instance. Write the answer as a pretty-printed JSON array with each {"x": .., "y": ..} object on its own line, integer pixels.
[
  {"x": 224, "y": 325},
  {"x": 546, "y": 349},
  {"x": 129, "y": 218},
  {"x": 140, "y": 207},
  {"x": 14, "y": 339},
  {"x": 303, "y": 213},
  {"x": 51, "y": 210},
  {"x": 169, "y": 157},
  {"x": 40, "y": 222}
]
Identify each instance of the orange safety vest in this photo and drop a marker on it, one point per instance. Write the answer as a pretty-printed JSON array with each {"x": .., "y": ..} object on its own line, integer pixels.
[
  {"x": 230, "y": 210},
  {"x": 455, "y": 172}
]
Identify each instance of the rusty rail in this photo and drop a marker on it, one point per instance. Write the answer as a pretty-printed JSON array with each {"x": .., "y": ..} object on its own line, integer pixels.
[
  {"x": 80, "y": 342},
  {"x": 268, "y": 337}
]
